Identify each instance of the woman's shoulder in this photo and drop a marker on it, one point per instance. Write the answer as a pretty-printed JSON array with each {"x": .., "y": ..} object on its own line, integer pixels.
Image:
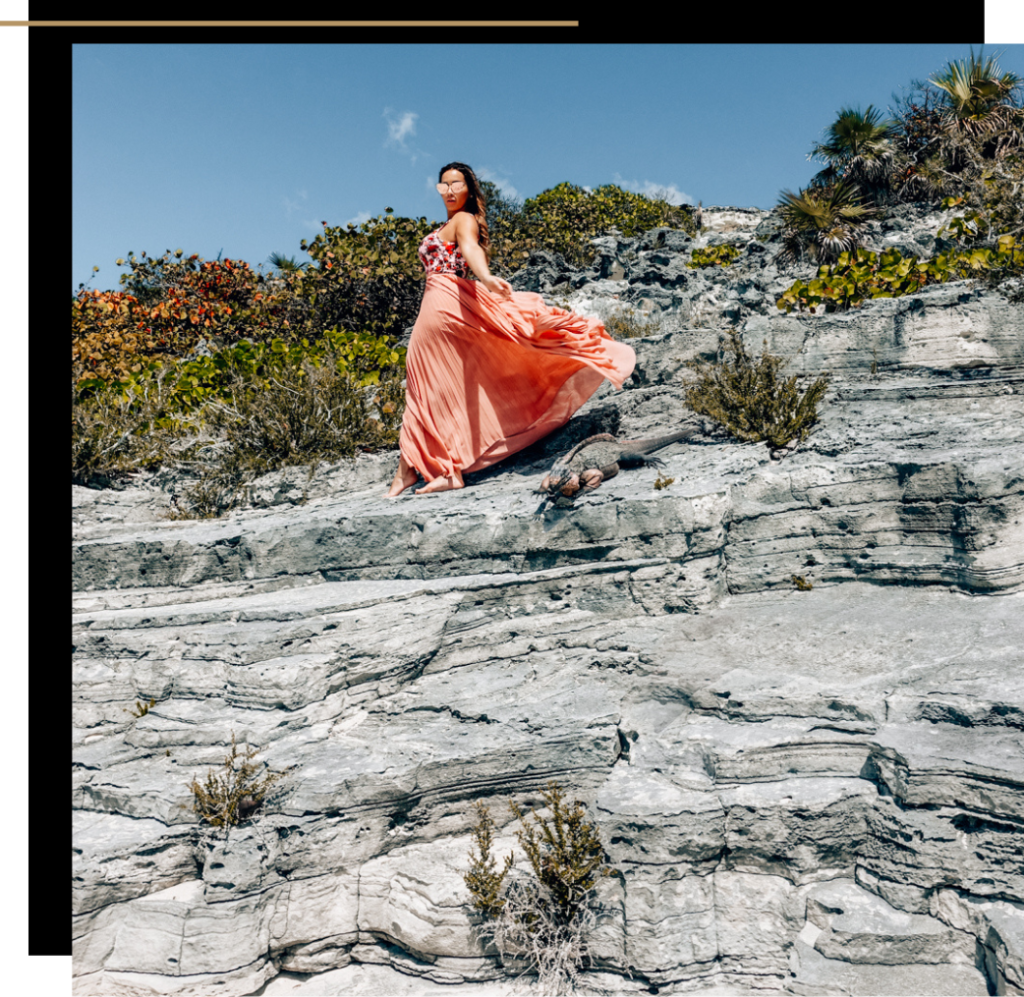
[{"x": 466, "y": 224}]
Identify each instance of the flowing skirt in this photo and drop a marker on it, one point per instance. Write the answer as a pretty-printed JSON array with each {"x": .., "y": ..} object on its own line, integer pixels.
[{"x": 487, "y": 377}]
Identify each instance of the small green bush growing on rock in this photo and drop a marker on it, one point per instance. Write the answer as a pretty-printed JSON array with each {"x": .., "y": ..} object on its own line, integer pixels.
[
  {"x": 483, "y": 879},
  {"x": 232, "y": 797},
  {"x": 543, "y": 919},
  {"x": 712, "y": 256},
  {"x": 751, "y": 400}
]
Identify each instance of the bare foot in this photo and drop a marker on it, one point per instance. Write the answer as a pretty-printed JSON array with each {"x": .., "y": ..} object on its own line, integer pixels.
[
  {"x": 405, "y": 477},
  {"x": 442, "y": 484}
]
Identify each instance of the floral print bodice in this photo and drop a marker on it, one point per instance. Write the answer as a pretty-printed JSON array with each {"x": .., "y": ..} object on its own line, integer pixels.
[{"x": 439, "y": 256}]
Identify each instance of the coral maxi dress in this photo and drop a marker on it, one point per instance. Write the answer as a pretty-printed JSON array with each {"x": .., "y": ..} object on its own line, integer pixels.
[{"x": 487, "y": 377}]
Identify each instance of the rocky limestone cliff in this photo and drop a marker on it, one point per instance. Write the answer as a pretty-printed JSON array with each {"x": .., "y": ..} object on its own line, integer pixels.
[{"x": 808, "y": 791}]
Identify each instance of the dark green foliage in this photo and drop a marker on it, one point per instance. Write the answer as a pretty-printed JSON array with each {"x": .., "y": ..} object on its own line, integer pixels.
[
  {"x": 507, "y": 231},
  {"x": 751, "y": 400},
  {"x": 942, "y": 133},
  {"x": 822, "y": 222},
  {"x": 368, "y": 277},
  {"x": 858, "y": 149},
  {"x": 228, "y": 798},
  {"x": 959, "y": 135}
]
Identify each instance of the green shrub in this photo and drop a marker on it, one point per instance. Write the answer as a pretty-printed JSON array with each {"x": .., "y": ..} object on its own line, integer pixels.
[
  {"x": 365, "y": 358},
  {"x": 231, "y": 797},
  {"x": 822, "y": 222},
  {"x": 308, "y": 415},
  {"x": 751, "y": 400},
  {"x": 721, "y": 256},
  {"x": 862, "y": 275},
  {"x": 483, "y": 879},
  {"x": 368, "y": 277},
  {"x": 545, "y": 919},
  {"x": 566, "y": 217},
  {"x": 272, "y": 404},
  {"x": 116, "y": 432}
]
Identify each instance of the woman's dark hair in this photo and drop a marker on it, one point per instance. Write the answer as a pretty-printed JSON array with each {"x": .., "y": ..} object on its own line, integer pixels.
[{"x": 476, "y": 203}]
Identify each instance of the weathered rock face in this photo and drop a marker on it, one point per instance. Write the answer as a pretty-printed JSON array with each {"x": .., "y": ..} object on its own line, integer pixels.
[{"x": 810, "y": 791}]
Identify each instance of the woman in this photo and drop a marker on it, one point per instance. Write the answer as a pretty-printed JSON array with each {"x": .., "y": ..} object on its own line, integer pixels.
[{"x": 489, "y": 370}]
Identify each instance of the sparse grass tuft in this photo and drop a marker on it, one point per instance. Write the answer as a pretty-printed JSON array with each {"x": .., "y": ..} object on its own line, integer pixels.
[
  {"x": 627, "y": 324},
  {"x": 232, "y": 797},
  {"x": 141, "y": 709}
]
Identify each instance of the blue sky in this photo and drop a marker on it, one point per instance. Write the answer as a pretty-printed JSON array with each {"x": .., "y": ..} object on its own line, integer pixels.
[{"x": 245, "y": 149}]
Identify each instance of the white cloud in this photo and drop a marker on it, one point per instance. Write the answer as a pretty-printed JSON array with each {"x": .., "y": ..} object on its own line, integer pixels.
[
  {"x": 399, "y": 127},
  {"x": 503, "y": 185},
  {"x": 291, "y": 206},
  {"x": 670, "y": 192}
]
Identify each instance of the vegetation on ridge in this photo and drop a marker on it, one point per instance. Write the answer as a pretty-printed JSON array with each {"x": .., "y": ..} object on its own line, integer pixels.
[
  {"x": 956, "y": 140},
  {"x": 217, "y": 370}
]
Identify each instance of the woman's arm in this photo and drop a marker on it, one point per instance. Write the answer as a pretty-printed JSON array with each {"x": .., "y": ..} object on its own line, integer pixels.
[{"x": 467, "y": 232}]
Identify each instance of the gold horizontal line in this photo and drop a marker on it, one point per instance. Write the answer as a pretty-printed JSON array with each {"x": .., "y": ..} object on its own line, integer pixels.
[{"x": 289, "y": 24}]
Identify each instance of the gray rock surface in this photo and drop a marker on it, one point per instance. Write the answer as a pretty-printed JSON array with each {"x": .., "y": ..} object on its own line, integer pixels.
[{"x": 811, "y": 791}]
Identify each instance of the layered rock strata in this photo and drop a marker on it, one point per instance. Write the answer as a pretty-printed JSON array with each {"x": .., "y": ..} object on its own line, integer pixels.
[{"x": 805, "y": 790}]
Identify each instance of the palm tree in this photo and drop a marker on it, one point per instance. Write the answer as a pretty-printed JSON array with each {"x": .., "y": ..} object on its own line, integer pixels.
[
  {"x": 822, "y": 222},
  {"x": 978, "y": 105},
  {"x": 858, "y": 148},
  {"x": 286, "y": 264}
]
